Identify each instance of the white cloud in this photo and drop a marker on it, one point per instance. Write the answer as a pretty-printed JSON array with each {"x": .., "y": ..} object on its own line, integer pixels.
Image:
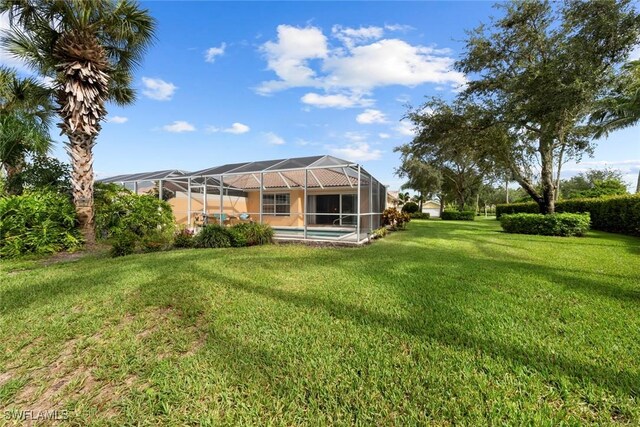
[
  {"x": 118, "y": 119},
  {"x": 237, "y": 128},
  {"x": 289, "y": 57},
  {"x": 356, "y": 136},
  {"x": 384, "y": 136},
  {"x": 158, "y": 89},
  {"x": 212, "y": 52},
  {"x": 357, "y": 152},
  {"x": 398, "y": 27},
  {"x": 302, "y": 57},
  {"x": 354, "y": 36},
  {"x": 274, "y": 139},
  {"x": 370, "y": 116},
  {"x": 179, "y": 126},
  {"x": 405, "y": 128},
  {"x": 391, "y": 62},
  {"x": 336, "y": 100}
]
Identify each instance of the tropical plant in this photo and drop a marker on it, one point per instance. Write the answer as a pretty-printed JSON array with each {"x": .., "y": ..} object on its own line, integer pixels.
[
  {"x": 252, "y": 234},
  {"x": 25, "y": 113},
  {"x": 37, "y": 223},
  {"x": 213, "y": 236},
  {"x": 42, "y": 173},
  {"x": 89, "y": 49},
  {"x": 119, "y": 211},
  {"x": 622, "y": 108}
]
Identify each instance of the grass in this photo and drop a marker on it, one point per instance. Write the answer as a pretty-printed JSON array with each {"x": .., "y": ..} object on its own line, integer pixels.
[{"x": 446, "y": 323}]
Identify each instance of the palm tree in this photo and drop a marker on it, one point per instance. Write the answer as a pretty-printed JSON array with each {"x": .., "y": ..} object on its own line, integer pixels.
[
  {"x": 403, "y": 198},
  {"x": 622, "y": 109},
  {"x": 25, "y": 115},
  {"x": 89, "y": 48}
]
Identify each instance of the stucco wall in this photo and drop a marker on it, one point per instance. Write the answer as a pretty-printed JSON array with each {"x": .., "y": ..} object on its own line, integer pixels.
[
  {"x": 294, "y": 219},
  {"x": 232, "y": 205}
]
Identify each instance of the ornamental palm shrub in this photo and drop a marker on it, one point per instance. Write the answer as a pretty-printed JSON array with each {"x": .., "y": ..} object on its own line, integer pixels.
[
  {"x": 253, "y": 233},
  {"x": 37, "y": 223},
  {"x": 213, "y": 236}
]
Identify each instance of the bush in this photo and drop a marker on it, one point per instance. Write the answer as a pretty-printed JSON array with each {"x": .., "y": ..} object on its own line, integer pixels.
[
  {"x": 37, "y": 223},
  {"x": 183, "y": 238},
  {"x": 559, "y": 224},
  {"x": 451, "y": 215},
  {"x": 616, "y": 214},
  {"x": 379, "y": 233},
  {"x": 42, "y": 173},
  {"x": 395, "y": 219},
  {"x": 420, "y": 215},
  {"x": 410, "y": 207},
  {"x": 213, "y": 236},
  {"x": 253, "y": 233},
  {"x": 238, "y": 238},
  {"x": 143, "y": 218},
  {"x": 124, "y": 244}
]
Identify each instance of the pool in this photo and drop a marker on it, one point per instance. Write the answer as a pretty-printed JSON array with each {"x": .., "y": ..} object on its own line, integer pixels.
[{"x": 319, "y": 233}]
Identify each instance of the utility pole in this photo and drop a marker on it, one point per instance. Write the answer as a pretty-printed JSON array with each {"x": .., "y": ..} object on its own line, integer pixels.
[{"x": 638, "y": 185}]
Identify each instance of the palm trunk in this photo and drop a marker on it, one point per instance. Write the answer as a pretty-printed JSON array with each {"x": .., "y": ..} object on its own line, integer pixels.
[
  {"x": 80, "y": 149},
  {"x": 14, "y": 187}
]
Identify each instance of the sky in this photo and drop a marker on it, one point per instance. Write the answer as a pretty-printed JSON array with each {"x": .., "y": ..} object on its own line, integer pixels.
[{"x": 228, "y": 82}]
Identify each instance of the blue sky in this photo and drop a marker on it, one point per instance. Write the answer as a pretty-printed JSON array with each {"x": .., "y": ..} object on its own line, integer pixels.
[{"x": 239, "y": 81}]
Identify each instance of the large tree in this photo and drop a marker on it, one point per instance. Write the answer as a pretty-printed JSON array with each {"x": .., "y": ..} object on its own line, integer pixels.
[
  {"x": 26, "y": 109},
  {"x": 89, "y": 49},
  {"x": 539, "y": 69},
  {"x": 448, "y": 149}
]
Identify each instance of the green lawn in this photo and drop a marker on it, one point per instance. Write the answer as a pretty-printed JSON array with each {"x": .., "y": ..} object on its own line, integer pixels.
[{"x": 446, "y": 323}]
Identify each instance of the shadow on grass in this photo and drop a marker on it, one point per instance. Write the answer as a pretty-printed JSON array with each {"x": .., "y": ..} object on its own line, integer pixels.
[{"x": 427, "y": 324}]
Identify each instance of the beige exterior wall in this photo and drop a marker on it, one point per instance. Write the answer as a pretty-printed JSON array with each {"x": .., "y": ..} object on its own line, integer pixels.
[
  {"x": 179, "y": 204},
  {"x": 294, "y": 219}
]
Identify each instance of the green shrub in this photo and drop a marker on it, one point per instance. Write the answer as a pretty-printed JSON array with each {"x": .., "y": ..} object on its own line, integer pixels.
[
  {"x": 451, "y": 215},
  {"x": 379, "y": 233},
  {"x": 420, "y": 215},
  {"x": 238, "y": 237},
  {"x": 213, "y": 236},
  {"x": 616, "y": 214},
  {"x": 395, "y": 219},
  {"x": 146, "y": 219},
  {"x": 410, "y": 207},
  {"x": 41, "y": 222},
  {"x": 183, "y": 238},
  {"x": 559, "y": 224},
  {"x": 253, "y": 233},
  {"x": 123, "y": 244}
]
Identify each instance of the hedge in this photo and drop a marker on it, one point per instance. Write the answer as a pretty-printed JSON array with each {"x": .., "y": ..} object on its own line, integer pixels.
[
  {"x": 420, "y": 215},
  {"x": 616, "y": 214},
  {"x": 458, "y": 215},
  {"x": 559, "y": 224}
]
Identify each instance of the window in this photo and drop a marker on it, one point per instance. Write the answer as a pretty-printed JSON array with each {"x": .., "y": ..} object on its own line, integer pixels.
[{"x": 276, "y": 204}]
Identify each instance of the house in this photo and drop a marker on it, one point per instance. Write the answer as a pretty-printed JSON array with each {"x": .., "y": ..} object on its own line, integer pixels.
[
  {"x": 305, "y": 198},
  {"x": 432, "y": 207}
]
